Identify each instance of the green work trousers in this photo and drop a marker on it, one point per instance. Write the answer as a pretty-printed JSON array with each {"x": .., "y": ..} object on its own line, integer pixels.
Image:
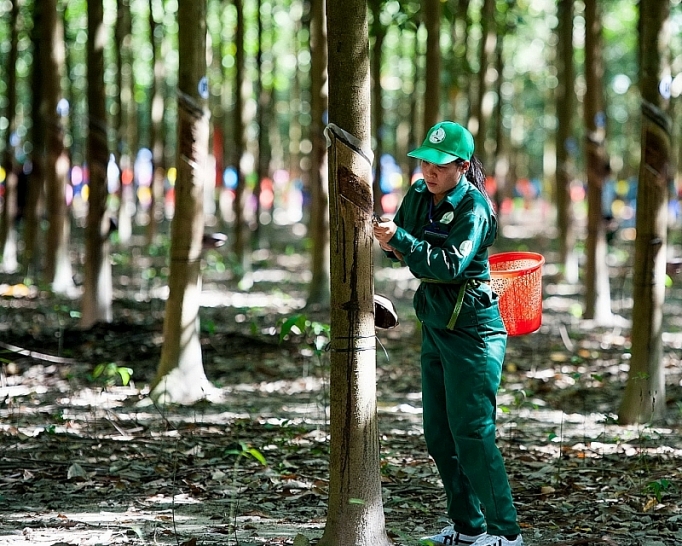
[{"x": 461, "y": 372}]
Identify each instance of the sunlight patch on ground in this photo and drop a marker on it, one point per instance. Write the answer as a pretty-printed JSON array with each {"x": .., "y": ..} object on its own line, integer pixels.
[
  {"x": 226, "y": 298},
  {"x": 284, "y": 386},
  {"x": 673, "y": 339},
  {"x": 157, "y": 527}
]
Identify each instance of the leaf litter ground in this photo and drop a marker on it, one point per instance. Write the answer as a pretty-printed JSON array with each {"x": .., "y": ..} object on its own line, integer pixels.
[{"x": 85, "y": 462}]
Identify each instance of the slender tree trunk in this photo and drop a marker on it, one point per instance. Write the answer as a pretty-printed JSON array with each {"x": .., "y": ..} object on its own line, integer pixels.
[
  {"x": 355, "y": 513},
  {"x": 8, "y": 234},
  {"x": 241, "y": 231},
  {"x": 598, "y": 291},
  {"x": 156, "y": 125},
  {"x": 58, "y": 264},
  {"x": 226, "y": 205},
  {"x": 379, "y": 32},
  {"x": 565, "y": 106},
  {"x": 262, "y": 162},
  {"x": 414, "y": 135},
  {"x": 460, "y": 70},
  {"x": 501, "y": 157},
  {"x": 644, "y": 398},
  {"x": 124, "y": 120},
  {"x": 460, "y": 96},
  {"x": 318, "y": 292},
  {"x": 97, "y": 293},
  {"x": 432, "y": 13},
  {"x": 36, "y": 182},
  {"x": 481, "y": 109},
  {"x": 180, "y": 377}
]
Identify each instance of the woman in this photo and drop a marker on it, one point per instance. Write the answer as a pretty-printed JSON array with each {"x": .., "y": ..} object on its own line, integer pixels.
[{"x": 442, "y": 232}]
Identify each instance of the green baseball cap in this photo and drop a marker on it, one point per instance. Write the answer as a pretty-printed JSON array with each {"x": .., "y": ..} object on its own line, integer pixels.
[{"x": 445, "y": 142}]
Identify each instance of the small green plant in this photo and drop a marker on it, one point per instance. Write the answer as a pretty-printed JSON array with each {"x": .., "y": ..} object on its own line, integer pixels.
[
  {"x": 208, "y": 326},
  {"x": 316, "y": 334},
  {"x": 657, "y": 488},
  {"x": 108, "y": 372},
  {"x": 246, "y": 451},
  {"x": 243, "y": 451}
]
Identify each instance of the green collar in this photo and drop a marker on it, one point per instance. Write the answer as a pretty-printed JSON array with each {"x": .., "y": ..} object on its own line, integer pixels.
[{"x": 453, "y": 197}]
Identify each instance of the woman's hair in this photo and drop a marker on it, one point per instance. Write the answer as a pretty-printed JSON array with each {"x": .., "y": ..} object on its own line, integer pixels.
[{"x": 476, "y": 175}]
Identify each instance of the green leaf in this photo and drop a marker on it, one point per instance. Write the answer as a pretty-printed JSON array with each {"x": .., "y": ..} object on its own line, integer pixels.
[
  {"x": 296, "y": 320},
  {"x": 356, "y": 501},
  {"x": 257, "y": 455},
  {"x": 99, "y": 369},
  {"x": 125, "y": 374}
]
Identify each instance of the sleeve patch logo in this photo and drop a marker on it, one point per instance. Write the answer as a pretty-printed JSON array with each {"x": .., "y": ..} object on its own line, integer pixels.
[
  {"x": 447, "y": 217},
  {"x": 466, "y": 247}
]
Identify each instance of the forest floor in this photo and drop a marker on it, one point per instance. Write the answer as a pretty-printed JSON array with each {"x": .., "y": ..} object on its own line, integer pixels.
[{"x": 87, "y": 461}]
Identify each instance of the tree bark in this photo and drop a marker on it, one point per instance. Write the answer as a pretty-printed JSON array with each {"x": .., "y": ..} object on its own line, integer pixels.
[
  {"x": 8, "y": 234},
  {"x": 58, "y": 270},
  {"x": 180, "y": 377},
  {"x": 598, "y": 291},
  {"x": 355, "y": 516},
  {"x": 36, "y": 183},
  {"x": 97, "y": 290},
  {"x": 565, "y": 105},
  {"x": 432, "y": 14},
  {"x": 318, "y": 292},
  {"x": 241, "y": 231},
  {"x": 644, "y": 398},
  {"x": 355, "y": 513},
  {"x": 156, "y": 128},
  {"x": 125, "y": 117},
  {"x": 482, "y": 111},
  {"x": 379, "y": 32}
]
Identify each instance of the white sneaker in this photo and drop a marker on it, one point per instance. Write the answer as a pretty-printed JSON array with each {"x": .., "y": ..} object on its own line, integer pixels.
[
  {"x": 495, "y": 540},
  {"x": 448, "y": 536}
]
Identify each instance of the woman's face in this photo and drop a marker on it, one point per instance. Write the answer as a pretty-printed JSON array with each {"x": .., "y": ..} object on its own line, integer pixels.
[{"x": 440, "y": 179}]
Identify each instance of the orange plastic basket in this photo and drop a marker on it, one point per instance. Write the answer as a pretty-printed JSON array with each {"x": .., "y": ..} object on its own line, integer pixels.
[{"x": 517, "y": 279}]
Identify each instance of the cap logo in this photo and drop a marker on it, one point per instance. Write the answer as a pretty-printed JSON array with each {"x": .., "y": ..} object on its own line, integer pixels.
[{"x": 437, "y": 136}]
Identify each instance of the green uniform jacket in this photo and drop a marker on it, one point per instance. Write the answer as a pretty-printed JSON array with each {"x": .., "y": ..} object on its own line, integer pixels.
[{"x": 447, "y": 244}]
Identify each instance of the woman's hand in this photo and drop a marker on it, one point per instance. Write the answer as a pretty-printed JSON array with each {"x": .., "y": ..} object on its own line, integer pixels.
[{"x": 384, "y": 232}]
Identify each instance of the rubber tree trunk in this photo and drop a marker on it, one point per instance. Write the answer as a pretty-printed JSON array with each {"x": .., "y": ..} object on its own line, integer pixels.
[
  {"x": 125, "y": 117},
  {"x": 157, "y": 134},
  {"x": 482, "y": 110},
  {"x": 8, "y": 233},
  {"x": 355, "y": 514},
  {"x": 379, "y": 33},
  {"x": 58, "y": 270},
  {"x": 597, "y": 287},
  {"x": 30, "y": 263},
  {"x": 318, "y": 290},
  {"x": 565, "y": 102},
  {"x": 97, "y": 293},
  {"x": 432, "y": 13},
  {"x": 242, "y": 234},
  {"x": 180, "y": 377},
  {"x": 644, "y": 398}
]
